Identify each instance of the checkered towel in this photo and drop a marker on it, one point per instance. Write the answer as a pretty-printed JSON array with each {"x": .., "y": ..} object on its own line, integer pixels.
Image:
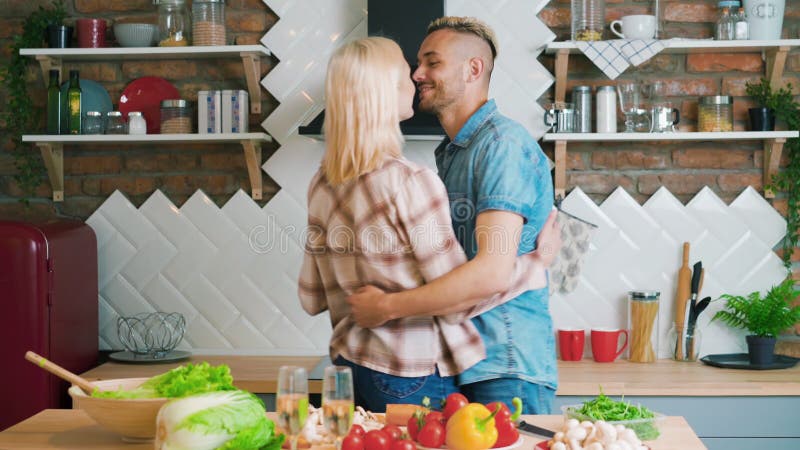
[{"x": 613, "y": 57}]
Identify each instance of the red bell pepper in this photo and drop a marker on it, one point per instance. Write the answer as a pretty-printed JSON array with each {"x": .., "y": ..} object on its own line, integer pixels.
[{"x": 507, "y": 433}]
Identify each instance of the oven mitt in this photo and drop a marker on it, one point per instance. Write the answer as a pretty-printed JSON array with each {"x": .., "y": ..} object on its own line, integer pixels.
[{"x": 565, "y": 270}]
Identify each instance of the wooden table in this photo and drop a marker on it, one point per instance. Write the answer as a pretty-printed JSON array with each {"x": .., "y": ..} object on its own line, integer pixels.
[
  {"x": 73, "y": 429},
  {"x": 258, "y": 374}
]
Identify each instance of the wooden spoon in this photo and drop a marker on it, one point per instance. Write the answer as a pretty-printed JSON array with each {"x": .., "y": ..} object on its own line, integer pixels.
[{"x": 61, "y": 372}]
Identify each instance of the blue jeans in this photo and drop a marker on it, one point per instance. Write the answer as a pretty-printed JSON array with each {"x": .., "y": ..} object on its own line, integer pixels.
[
  {"x": 536, "y": 398},
  {"x": 374, "y": 390}
]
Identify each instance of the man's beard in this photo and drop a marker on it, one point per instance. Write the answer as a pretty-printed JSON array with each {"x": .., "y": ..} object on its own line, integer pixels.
[{"x": 438, "y": 99}]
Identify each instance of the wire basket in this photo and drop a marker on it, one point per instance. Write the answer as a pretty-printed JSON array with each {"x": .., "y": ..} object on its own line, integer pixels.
[{"x": 151, "y": 334}]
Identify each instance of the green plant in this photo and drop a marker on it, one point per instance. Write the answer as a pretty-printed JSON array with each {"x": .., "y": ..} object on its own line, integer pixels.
[
  {"x": 787, "y": 180},
  {"x": 30, "y": 169},
  {"x": 766, "y": 316}
]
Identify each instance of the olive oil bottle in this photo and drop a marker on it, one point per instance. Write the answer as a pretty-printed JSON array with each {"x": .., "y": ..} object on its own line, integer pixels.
[
  {"x": 74, "y": 103},
  {"x": 53, "y": 104}
]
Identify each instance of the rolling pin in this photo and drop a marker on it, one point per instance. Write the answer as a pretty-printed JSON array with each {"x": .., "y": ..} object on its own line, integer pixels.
[{"x": 682, "y": 294}]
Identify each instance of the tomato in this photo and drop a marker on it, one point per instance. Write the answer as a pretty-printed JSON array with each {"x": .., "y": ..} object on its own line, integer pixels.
[
  {"x": 453, "y": 403},
  {"x": 431, "y": 435},
  {"x": 353, "y": 441},
  {"x": 404, "y": 444},
  {"x": 413, "y": 427},
  {"x": 393, "y": 431},
  {"x": 377, "y": 440},
  {"x": 357, "y": 429},
  {"x": 434, "y": 416}
]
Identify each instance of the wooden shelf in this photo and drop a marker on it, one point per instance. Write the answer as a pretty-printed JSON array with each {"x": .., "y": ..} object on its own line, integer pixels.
[
  {"x": 774, "y": 53},
  {"x": 52, "y": 148},
  {"x": 53, "y": 58}
]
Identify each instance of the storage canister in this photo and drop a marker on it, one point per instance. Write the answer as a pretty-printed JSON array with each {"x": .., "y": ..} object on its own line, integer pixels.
[
  {"x": 588, "y": 20},
  {"x": 208, "y": 17},
  {"x": 136, "y": 123},
  {"x": 582, "y": 98},
  {"x": 115, "y": 124},
  {"x": 606, "y": 109},
  {"x": 643, "y": 325},
  {"x": 174, "y": 23},
  {"x": 715, "y": 113},
  {"x": 176, "y": 117}
]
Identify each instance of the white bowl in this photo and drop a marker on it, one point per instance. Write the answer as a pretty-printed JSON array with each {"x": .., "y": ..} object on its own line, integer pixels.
[{"x": 135, "y": 34}]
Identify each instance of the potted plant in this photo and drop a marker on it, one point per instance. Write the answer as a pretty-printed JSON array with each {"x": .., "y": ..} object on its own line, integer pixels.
[
  {"x": 764, "y": 317},
  {"x": 762, "y": 118}
]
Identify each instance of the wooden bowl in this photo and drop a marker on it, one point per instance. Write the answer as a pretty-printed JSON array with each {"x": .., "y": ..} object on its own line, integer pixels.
[{"x": 134, "y": 419}]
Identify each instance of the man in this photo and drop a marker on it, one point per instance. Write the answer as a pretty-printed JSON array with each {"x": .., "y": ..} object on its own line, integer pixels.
[{"x": 500, "y": 191}]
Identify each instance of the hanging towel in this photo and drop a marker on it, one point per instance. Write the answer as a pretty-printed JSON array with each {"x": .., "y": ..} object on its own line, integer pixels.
[{"x": 614, "y": 56}]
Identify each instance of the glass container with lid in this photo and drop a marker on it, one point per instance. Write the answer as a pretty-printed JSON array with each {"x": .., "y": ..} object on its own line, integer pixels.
[
  {"x": 93, "y": 123},
  {"x": 588, "y": 20},
  {"x": 115, "y": 123},
  {"x": 208, "y": 17},
  {"x": 715, "y": 113},
  {"x": 174, "y": 23},
  {"x": 176, "y": 117},
  {"x": 643, "y": 325}
]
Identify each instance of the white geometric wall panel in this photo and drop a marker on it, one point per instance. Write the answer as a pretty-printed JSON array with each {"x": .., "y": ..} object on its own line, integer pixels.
[{"x": 640, "y": 248}]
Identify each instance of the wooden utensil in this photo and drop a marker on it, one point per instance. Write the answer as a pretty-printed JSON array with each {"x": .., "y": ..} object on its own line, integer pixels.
[
  {"x": 682, "y": 294},
  {"x": 60, "y": 372}
]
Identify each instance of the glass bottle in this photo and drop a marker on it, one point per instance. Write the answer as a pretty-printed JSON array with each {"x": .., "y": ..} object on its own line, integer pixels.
[
  {"x": 724, "y": 26},
  {"x": 54, "y": 104},
  {"x": 741, "y": 28},
  {"x": 74, "y": 103}
]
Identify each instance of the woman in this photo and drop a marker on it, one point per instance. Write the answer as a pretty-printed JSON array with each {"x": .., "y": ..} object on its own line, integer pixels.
[{"x": 377, "y": 218}]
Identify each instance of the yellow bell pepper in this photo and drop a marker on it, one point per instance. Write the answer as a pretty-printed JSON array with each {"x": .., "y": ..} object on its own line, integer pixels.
[{"x": 471, "y": 428}]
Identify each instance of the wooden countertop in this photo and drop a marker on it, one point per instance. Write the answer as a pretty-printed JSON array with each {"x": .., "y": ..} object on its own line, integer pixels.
[
  {"x": 73, "y": 429},
  {"x": 663, "y": 378}
]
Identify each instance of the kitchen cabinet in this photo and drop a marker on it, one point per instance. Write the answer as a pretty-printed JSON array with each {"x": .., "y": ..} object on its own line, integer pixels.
[
  {"x": 774, "y": 53},
  {"x": 51, "y": 146}
]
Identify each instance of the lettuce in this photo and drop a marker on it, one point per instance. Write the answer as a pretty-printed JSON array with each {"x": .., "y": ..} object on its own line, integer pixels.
[{"x": 179, "y": 382}]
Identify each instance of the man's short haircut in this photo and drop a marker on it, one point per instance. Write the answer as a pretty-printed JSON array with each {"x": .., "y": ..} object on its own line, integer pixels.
[{"x": 469, "y": 25}]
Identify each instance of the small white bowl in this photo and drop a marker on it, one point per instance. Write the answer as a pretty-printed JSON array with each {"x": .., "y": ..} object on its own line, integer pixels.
[{"x": 135, "y": 34}]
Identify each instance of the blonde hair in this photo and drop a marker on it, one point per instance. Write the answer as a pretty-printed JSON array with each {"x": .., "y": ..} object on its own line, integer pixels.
[
  {"x": 469, "y": 25},
  {"x": 362, "y": 125}
]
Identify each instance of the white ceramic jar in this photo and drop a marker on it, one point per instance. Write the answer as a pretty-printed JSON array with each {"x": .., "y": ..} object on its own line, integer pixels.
[
  {"x": 606, "y": 109},
  {"x": 136, "y": 123}
]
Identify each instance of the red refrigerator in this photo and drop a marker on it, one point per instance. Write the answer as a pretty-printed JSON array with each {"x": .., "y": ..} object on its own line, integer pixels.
[{"x": 48, "y": 304}]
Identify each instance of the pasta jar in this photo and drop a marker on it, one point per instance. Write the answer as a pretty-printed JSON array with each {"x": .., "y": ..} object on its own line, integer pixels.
[
  {"x": 174, "y": 24},
  {"x": 588, "y": 20},
  {"x": 643, "y": 325},
  {"x": 208, "y": 17},
  {"x": 176, "y": 117},
  {"x": 715, "y": 113}
]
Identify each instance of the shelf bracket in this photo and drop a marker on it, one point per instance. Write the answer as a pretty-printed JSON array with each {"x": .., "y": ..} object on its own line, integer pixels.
[
  {"x": 776, "y": 61},
  {"x": 252, "y": 156},
  {"x": 562, "y": 62},
  {"x": 772, "y": 160},
  {"x": 252, "y": 71},
  {"x": 560, "y": 180},
  {"x": 48, "y": 63},
  {"x": 53, "y": 155}
]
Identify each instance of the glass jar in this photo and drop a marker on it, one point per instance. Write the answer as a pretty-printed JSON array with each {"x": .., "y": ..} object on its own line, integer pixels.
[
  {"x": 115, "y": 124},
  {"x": 643, "y": 325},
  {"x": 208, "y": 17},
  {"x": 588, "y": 20},
  {"x": 715, "y": 113},
  {"x": 93, "y": 123},
  {"x": 176, "y": 117},
  {"x": 136, "y": 123},
  {"x": 684, "y": 345},
  {"x": 174, "y": 23}
]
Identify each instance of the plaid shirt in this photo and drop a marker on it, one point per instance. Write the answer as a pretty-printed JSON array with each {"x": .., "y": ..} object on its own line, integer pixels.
[{"x": 390, "y": 228}]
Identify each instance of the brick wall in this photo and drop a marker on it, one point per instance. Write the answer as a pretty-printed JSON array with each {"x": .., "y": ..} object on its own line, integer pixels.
[
  {"x": 642, "y": 167},
  {"x": 91, "y": 173}
]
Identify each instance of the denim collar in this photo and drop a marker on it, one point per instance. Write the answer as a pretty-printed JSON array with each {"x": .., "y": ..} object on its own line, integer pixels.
[{"x": 474, "y": 123}]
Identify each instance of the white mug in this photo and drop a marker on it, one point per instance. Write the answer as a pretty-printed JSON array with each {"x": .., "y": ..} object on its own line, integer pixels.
[{"x": 635, "y": 27}]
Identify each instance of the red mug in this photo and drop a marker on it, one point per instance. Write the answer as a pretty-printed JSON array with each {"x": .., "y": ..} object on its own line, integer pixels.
[
  {"x": 91, "y": 33},
  {"x": 570, "y": 342},
  {"x": 605, "y": 344}
]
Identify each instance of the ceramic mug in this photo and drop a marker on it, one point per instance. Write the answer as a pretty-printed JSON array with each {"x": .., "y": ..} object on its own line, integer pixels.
[
  {"x": 640, "y": 26},
  {"x": 570, "y": 342},
  {"x": 605, "y": 344},
  {"x": 91, "y": 33}
]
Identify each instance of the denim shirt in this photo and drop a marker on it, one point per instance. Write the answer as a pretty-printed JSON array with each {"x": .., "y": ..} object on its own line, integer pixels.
[{"x": 494, "y": 164}]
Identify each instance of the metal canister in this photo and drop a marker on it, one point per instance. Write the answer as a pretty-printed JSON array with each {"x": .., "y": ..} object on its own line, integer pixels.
[{"x": 582, "y": 98}]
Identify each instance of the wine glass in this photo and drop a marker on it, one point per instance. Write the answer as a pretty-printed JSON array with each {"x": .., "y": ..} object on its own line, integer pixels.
[
  {"x": 292, "y": 401},
  {"x": 629, "y": 103},
  {"x": 337, "y": 401}
]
